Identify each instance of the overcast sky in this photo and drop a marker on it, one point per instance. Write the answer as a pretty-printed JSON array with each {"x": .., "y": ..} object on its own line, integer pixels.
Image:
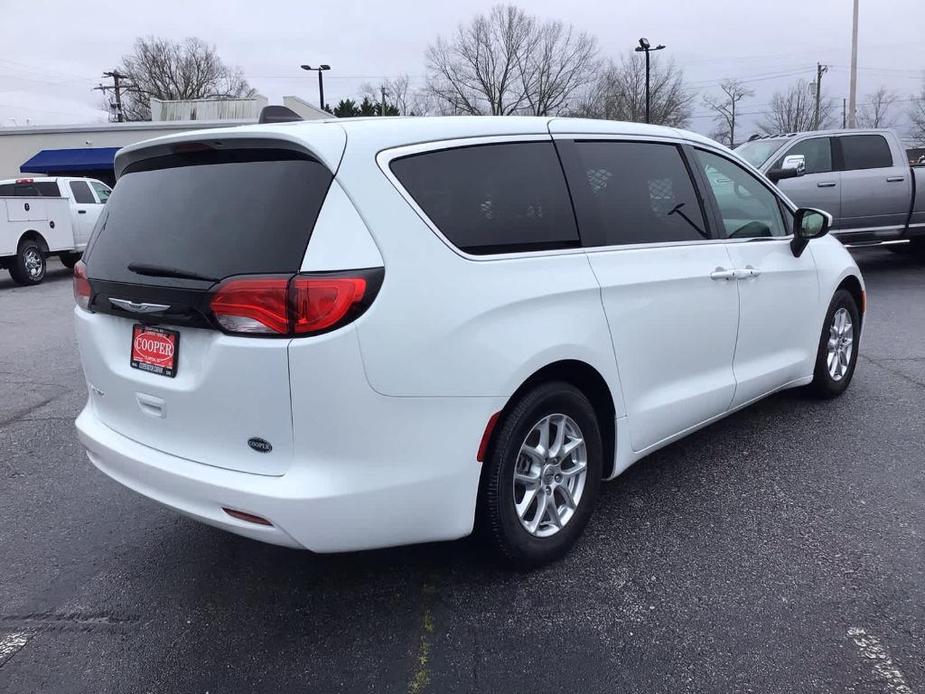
[{"x": 52, "y": 53}]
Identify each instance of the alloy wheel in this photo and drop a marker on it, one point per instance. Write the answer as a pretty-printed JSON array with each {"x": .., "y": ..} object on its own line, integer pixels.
[
  {"x": 32, "y": 260},
  {"x": 840, "y": 344},
  {"x": 549, "y": 475}
]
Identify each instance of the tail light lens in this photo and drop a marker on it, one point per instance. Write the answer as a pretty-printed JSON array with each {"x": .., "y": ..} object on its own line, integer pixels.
[
  {"x": 252, "y": 305},
  {"x": 287, "y": 306},
  {"x": 81, "y": 286}
]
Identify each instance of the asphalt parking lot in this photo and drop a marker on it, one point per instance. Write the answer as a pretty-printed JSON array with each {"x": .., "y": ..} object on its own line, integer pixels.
[{"x": 780, "y": 550}]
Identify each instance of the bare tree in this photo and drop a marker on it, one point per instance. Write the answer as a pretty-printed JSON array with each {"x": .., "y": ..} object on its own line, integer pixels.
[
  {"x": 558, "y": 62},
  {"x": 917, "y": 116},
  {"x": 508, "y": 62},
  {"x": 793, "y": 110},
  {"x": 189, "y": 69},
  {"x": 725, "y": 106},
  {"x": 875, "y": 113},
  {"x": 619, "y": 92}
]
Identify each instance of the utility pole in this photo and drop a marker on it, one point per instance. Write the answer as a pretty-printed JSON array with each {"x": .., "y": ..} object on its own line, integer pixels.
[
  {"x": 382, "y": 103},
  {"x": 820, "y": 71},
  {"x": 853, "y": 84},
  {"x": 844, "y": 114},
  {"x": 117, "y": 88},
  {"x": 644, "y": 47}
]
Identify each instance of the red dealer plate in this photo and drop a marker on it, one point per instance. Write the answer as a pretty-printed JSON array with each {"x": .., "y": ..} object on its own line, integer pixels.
[{"x": 155, "y": 350}]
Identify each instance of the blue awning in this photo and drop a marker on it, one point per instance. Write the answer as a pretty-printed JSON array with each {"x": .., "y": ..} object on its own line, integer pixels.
[{"x": 63, "y": 160}]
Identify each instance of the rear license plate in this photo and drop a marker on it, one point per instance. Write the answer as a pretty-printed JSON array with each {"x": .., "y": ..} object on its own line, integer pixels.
[{"x": 155, "y": 350}]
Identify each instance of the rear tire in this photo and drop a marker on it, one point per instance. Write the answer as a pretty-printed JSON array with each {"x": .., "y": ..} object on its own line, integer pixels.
[
  {"x": 29, "y": 264},
  {"x": 838, "y": 347},
  {"x": 523, "y": 493},
  {"x": 69, "y": 260}
]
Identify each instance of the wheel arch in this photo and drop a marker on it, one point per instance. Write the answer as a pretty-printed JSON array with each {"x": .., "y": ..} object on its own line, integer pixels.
[
  {"x": 853, "y": 285},
  {"x": 33, "y": 235},
  {"x": 590, "y": 382}
]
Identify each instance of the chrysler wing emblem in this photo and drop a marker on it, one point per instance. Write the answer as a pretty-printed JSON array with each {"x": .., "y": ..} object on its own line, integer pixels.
[{"x": 136, "y": 307}]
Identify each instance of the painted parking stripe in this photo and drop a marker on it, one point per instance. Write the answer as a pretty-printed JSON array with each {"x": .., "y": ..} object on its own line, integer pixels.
[
  {"x": 870, "y": 647},
  {"x": 10, "y": 643}
]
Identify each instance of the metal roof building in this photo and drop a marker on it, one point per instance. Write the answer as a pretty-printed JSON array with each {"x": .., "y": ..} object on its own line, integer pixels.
[{"x": 88, "y": 150}]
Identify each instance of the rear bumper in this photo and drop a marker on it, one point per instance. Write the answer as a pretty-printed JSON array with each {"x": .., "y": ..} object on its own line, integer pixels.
[{"x": 322, "y": 507}]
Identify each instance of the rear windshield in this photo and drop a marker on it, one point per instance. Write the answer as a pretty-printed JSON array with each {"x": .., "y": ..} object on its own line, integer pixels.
[
  {"x": 211, "y": 215},
  {"x": 34, "y": 189}
]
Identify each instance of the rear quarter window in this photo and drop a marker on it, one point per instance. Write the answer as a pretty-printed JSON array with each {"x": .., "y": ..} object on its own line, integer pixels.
[{"x": 493, "y": 198}]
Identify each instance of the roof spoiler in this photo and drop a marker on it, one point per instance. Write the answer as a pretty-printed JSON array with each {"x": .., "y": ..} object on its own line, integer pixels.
[{"x": 277, "y": 114}]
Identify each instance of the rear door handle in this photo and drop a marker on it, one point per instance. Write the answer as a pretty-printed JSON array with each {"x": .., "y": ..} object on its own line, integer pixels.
[
  {"x": 722, "y": 273},
  {"x": 826, "y": 184},
  {"x": 895, "y": 179}
]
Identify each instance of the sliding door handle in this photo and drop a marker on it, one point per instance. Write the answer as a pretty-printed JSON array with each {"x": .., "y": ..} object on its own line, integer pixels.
[
  {"x": 826, "y": 184},
  {"x": 895, "y": 179}
]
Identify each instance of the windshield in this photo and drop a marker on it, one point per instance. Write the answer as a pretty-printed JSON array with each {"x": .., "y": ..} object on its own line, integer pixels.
[{"x": 757, "y": 152}]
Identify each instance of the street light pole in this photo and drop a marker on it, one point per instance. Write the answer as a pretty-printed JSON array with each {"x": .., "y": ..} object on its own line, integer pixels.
[
  {"x": 645, "y": 47},
  {"x": 319, "y": 70}
]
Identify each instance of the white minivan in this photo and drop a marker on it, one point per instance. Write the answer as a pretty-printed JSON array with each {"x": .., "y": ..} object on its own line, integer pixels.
[
  {"x": 350, "y": 334},
  {"x": 46, "y": 216}
]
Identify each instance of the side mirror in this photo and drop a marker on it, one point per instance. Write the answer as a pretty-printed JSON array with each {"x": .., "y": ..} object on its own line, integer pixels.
[
  {"x": 793, "y": 165},
  {"x": 808, "y": 224},
  {"x": 795, "y": 161}
]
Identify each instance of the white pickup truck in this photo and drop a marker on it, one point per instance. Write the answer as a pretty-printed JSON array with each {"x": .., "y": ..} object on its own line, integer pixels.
[{"x": 41, "y": 217}]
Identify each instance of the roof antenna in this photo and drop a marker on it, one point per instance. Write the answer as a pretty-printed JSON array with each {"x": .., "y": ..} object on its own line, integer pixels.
[{"x": 277, "y": 114}]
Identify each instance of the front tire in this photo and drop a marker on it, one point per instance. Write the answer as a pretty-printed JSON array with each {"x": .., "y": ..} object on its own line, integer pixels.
[
  {"x": 542, "y": 475},
  {"x": 838, "y": 347},
  {"x": 29, "y": 264},
  {"x": 69, "y": 260}
]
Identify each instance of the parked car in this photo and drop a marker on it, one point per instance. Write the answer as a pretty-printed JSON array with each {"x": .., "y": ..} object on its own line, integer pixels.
[
  {"x": 352, "y": 334},
  {"x": 40, "y": 217},
  {"x": 861, "y": 177}
]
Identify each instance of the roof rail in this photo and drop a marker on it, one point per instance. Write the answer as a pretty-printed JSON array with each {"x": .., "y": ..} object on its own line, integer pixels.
[{"x": 277, "y": 114}]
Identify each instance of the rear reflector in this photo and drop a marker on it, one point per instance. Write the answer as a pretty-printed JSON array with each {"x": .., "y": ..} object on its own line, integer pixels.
[
  {"x": 486, "y": 437},
  {"x": 288, "y": 306},
  {"x": 82, "y": 289},
  {"x": 246, "y": 517}
]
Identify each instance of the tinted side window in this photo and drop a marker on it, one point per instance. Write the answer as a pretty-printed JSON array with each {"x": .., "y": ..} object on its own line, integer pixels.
[
  {"x": 500, "y": 198},
  {"x": 865, "y": 152},
  {"x": 632, "y": 192},
  {"x": 748, "y": 209},
  {"x": 82, "y": 192},
  {"x": 817, "y": 152}
]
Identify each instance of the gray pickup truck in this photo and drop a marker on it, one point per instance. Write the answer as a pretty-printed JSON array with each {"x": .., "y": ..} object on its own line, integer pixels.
[{"x": 861, "y": 177}]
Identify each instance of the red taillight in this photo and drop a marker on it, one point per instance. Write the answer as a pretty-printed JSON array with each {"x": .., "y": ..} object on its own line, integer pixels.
[
  {"x": 253, "y": 305},
  {"x": 81, "y": 286},
  {"x": 319, "y": 303},
  {"x": 287, "y": 305}
]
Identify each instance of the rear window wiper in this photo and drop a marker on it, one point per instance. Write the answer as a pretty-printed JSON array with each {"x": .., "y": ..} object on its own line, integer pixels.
[{"x": 161, "y": 271}]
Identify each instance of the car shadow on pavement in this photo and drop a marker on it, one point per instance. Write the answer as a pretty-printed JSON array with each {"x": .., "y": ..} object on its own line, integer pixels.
[{"x": 56, "y": 273}]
